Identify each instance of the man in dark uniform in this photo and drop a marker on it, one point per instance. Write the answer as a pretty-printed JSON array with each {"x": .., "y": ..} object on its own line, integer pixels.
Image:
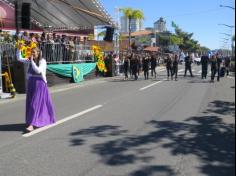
[
  {"x": 131, "y": 65},
  {"x": 146, "y": 67},
  {"x": 153, "y": 66},
  {"x": 204, "y": 62},
  {"x": 175, "y": 67},
  {"x": 126, "y": 67},
  {"x": 169, "y": 67},
  {"x": 219, "y": 61},
  {"x": 188, "y": 65},
  {"x": 134, "y": 61},
  {"x": 227, "y": 64},
  {"x": 213, "y": 68}
]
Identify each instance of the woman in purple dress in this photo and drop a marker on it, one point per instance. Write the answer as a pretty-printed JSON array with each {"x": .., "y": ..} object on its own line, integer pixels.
[{"x": 39, "y": 108}]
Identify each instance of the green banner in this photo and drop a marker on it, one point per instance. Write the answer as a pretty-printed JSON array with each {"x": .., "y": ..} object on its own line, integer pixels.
[{"x": 75, "y": 71}]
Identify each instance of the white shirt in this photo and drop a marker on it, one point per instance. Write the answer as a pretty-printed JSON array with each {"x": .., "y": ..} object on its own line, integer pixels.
[{"x": 41, "y": 69}]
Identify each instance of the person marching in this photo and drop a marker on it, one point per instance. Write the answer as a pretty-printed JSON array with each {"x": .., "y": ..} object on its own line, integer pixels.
[
  {"x": 204, "y": 62},
  {"x": 219, "y": 61},
  {"x": 146, "y": 67},
  {"x": 227, "y": 64},
  {"x": 175, "y": 67},
  {"x": 39, "y": 108},
  {"x": 188, "y": 65},
  {"x": 169, "y": 67},
  {"x": 134, "y": 61},
  {"x": 213, "y": 67},
  {"x": 139, "y": 65},
  {"x": 131, "y": 62},
  {"x": 126, "y": 67},
  {"x": 153, "y": 66}
]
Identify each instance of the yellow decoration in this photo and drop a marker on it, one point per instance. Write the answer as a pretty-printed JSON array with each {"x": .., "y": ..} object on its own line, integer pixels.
[
  {"x": 26, "y": 50},
  {"x": 97, "y": 51}
]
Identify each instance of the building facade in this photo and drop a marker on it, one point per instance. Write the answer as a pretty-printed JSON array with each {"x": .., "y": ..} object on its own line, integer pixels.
[
  {"x": 136, "y": 25},
  {"x": 160, "y": 25}
]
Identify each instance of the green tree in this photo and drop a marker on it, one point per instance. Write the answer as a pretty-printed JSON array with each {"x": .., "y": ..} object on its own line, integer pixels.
[
  {"x": 102, "y": 34},
  {"x": 132, "y": 14},
  {"x": 176, "y": 40},
  {"x": 164, "y": 40},
  {"x": 203, "y": 50},
  {"x": 187, "y": 43}
]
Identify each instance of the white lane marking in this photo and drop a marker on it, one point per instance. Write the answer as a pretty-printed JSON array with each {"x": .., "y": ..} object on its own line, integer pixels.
[
  {"x": 63, "y": 121},
  {"x": 151, "y": 85},
  {"x": 200, "y": 72},
  {"x": 161, "y": 70},
  {"x": 230, "y": 77}
]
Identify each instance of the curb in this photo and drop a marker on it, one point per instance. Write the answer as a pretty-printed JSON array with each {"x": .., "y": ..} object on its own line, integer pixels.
[{"x": 58, "y": 89}]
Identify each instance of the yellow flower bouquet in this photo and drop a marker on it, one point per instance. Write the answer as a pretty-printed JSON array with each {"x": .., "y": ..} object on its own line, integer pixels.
[
  {"x": 100, "y": 59},
  {"x": 26, "y": 48}
]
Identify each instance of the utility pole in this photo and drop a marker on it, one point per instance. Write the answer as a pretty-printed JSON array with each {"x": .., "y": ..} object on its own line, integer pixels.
[{"x": 117, "y": 49}]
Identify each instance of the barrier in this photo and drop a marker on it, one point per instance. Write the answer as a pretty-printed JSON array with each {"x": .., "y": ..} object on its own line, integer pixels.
[
  {"x": 74, "y": 71},
  {"x": 1, "y": 87},
  {"x": 63, "y": 53}
]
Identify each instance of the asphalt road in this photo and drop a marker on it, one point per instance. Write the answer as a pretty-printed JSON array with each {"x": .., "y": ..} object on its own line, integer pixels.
[{"x": 127, "y": 128}]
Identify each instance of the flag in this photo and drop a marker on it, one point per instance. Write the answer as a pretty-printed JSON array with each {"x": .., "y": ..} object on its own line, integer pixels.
[{"x": 174, "y": 25}]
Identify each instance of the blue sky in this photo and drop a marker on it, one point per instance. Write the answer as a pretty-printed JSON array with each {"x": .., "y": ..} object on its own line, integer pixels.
[{"x": 198, "y": 16}]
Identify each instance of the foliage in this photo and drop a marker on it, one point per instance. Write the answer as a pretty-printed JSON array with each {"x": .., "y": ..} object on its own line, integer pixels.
[
  {"x": 185, "y": 40},
  {"x": 203, "y": 49},
  {"x": 144, "y": 40},
  {"x": 176, "y": 40},
  {"x": 164, "y": 40},
  {"x": 102, "y": 34},
  {"x": 132, "y": 14}
]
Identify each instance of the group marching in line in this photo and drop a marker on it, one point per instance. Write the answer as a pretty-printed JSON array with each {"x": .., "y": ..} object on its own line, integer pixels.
[{"x": 134, "y": 64}]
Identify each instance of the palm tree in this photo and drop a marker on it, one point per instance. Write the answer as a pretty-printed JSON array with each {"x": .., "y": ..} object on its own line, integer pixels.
[
  {"x": 132, "y": 14},
  {"x": 101, "y": 34}
]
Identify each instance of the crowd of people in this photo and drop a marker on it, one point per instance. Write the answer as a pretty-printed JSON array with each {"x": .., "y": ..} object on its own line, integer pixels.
[
  {"x": 134, "y": 64},
  {"x": 55, "y": 47}
]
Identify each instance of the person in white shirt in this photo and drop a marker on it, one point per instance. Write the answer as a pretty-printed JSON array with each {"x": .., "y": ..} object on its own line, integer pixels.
[{"x": 39, "y": 108}]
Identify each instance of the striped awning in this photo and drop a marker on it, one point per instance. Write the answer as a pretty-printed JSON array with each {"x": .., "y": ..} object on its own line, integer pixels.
[{"x": 67, "y": 14}]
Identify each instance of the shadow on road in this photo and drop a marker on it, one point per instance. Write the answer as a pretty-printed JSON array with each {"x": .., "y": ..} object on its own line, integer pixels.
[
  {"x": 13, "y": 127},
  {"x": 96, "y": 131},
  {"x": 207, "y": 137},
  {"x": 221, "y": 108},
  {"x": 154, "y": 171}
]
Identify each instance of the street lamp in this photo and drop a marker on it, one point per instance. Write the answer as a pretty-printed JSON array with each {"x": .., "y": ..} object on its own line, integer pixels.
[{"x": 227, "y": 7}]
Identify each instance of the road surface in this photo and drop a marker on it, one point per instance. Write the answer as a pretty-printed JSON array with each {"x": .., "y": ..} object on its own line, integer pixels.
[{"x": 127, "y": 128}]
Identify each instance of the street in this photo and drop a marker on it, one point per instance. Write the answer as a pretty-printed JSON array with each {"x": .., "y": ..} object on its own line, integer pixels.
[{"x": 127, "y": 128}]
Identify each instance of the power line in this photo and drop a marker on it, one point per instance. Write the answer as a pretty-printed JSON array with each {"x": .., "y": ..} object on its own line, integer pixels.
[{"x": 195, "y": 13}]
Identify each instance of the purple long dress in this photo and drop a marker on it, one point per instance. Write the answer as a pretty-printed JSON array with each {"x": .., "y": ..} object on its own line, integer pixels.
[{"x": 39, "y": 108}]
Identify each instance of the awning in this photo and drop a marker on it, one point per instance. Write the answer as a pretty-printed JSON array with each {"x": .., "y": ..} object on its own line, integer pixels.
[
  {"x": 140, "y": 33},
  {"x": 152, "y": 49},
  {"x": 67, "y": 14}
]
